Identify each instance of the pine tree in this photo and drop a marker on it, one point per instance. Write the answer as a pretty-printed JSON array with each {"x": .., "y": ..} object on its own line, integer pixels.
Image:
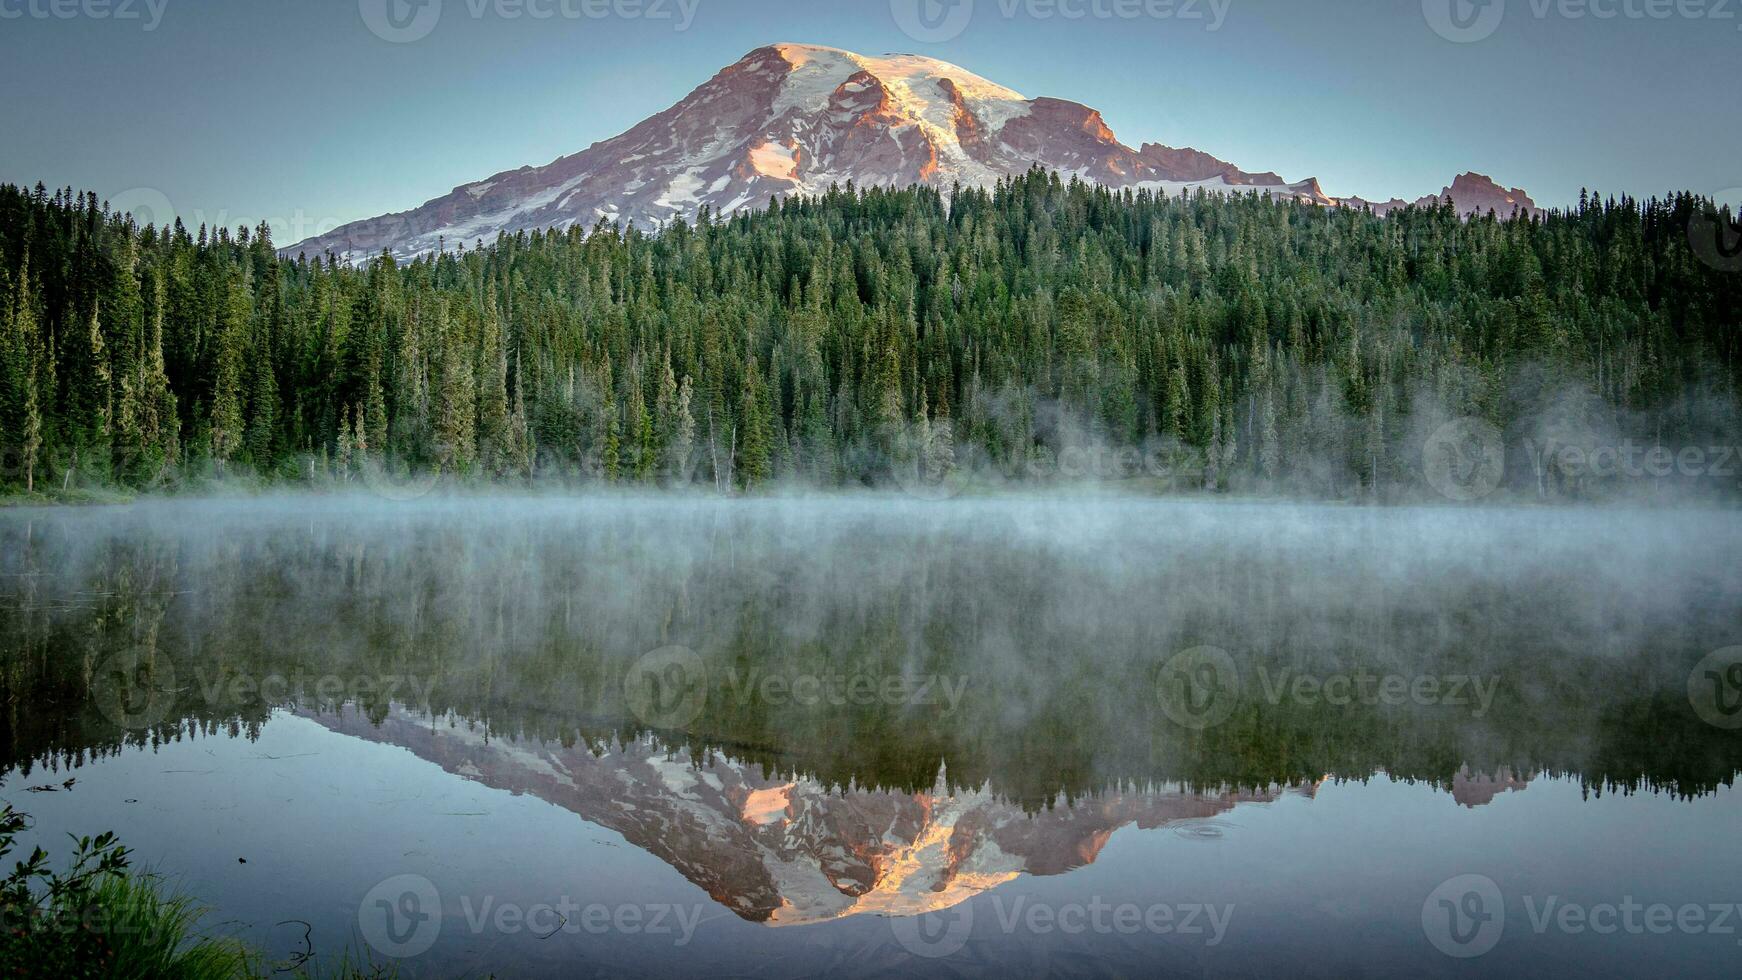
[
  {"x": 346, "y": 447},
  {"x": 226, "y": 415},
  {"x": 359, "y": 439},
  {"x": 611, "y": 459},
  {"x": 1269, "y": 447},
  {"x": 940, "y": 445},
  {"x": 1213, "y": 455},
  {"x": 664, "y": 418},
  {"x": 1179, "y": 407},
  {"x": 755, "y": 441},
  {"x": 496, "y": 441},
  {"x": 643, "y": 454},
  {"x": 129, "y": 447},
  {"x": 375, "y": 411},
  {"x": 683, "y": 436},
  {"x": 818, "y": 438},
  {"x": 1230, "y": 433},
  {"x": 23, "y": 350},
  {"x": 262, "y": 414},
  {"x": 457, "y": 406},
  {"x": 94, "y": 398},
  {"x": 519, "y": 433},
  {"x": 162, "y": 426},
  {"x": 32, "y": 434}
]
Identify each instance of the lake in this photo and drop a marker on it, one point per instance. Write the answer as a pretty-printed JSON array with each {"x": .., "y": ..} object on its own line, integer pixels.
[{"x": 874, "y": 736}]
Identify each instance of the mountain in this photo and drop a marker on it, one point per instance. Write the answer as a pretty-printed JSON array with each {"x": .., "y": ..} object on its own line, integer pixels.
[
  {"x": 1470, "y": 194},
  {"x": 788, "y": 851},
  {"x": 792, "y": 851},
  {"x": 1480, "y": 789},
  {"x": 798, "y": 119}
]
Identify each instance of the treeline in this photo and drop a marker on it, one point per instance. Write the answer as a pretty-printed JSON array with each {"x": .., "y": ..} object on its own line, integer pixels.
[
  {"x": 861, "y": 338},
  {"x": 529, "y": 623}
]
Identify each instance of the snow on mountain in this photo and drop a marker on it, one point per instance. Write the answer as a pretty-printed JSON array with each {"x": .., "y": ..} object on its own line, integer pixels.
[
  {"x": 798, "y": 119},
  {"x": 787, "y": 852}
]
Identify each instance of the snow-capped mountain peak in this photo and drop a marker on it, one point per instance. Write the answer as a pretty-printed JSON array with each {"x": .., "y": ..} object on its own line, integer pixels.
[{"x": 797, "y": 119}]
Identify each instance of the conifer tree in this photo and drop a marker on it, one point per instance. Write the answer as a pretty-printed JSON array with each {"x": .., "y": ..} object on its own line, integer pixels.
[
  {"x": 93, "y": 398},
  {"x": 519, "y": 433},
  {"x": 346, "y": 447},
  {"x": 755, "y": 441},
  {"x": 496, "y": 441},
  {"x": 456, "y": 407},
  {"x": 262, "y": 414},
  {"x": 226, "y": 414},
  {"x": 683, "y": 435},
  {"x": 23, "y": 352},
  {"x": 643, "y": 454}
]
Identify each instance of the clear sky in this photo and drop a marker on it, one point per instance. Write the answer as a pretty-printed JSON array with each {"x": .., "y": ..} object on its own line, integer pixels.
[{"x": 308, "y": 113}]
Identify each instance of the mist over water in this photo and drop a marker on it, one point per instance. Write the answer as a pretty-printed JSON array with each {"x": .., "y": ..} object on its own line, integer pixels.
[
  {"x": 1014, "y": 616},
  {"x": 741, "y": 688}
]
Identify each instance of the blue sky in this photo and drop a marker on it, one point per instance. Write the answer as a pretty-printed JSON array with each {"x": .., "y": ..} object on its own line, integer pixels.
[{"x": 298, "y": 112}]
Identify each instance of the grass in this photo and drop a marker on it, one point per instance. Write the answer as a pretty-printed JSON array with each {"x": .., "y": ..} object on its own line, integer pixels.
[
  {"x": 101, "y": 919},
  {"x": 132, "y": 928},
  {"x": 144, "y": 933}
]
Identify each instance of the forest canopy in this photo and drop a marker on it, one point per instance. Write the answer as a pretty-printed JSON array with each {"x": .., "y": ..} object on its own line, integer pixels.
[{"x": 1212, "y": 344}]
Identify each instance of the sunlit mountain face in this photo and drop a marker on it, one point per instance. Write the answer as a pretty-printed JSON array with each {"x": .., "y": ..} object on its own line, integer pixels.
[
  {"x": 789, "y": 850},
  {"x": 802, "y": 120},
  {"x": 817, "y": 719}
]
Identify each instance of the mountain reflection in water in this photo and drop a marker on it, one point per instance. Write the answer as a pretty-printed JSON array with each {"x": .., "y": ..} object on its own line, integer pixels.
[
  {"x": 814, "y": 709},
  {"x": 790, "y": 851}
]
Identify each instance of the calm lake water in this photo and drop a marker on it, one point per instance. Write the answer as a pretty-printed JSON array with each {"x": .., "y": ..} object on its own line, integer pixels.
[{"x": 877, "y": 737}]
